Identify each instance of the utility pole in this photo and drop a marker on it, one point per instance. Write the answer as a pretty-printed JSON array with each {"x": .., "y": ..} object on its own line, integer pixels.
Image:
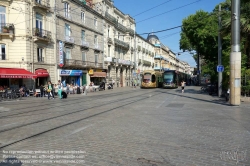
[
  {"x": 219, "y": 56},
  {"x": 235, "y": 56},
  {"x": 135, "y": 64}
]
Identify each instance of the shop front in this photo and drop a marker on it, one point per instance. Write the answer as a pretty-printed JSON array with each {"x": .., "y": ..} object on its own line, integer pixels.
[
  {"x": 15, "y": 77},
  {"x": 42, "y": 77},
  {"x": 71, "y": 76},
  {"x": 97, "y": 76}
]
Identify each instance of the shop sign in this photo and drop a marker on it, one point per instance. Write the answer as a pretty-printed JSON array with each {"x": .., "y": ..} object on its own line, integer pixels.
[
  {"x": 15, "y": 76},
  {"x": 91, "y": 72},
  {"x": 61, "y": 63},
  {"x": 70, "y": 72}
]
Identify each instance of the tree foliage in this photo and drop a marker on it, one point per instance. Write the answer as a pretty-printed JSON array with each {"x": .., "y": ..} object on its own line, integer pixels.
[{"x": 200, "y": 34}]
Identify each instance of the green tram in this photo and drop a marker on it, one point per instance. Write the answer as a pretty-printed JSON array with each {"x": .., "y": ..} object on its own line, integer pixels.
[
  {"x": 151, "y": 79},
  {"x": 173, "y": 78}
]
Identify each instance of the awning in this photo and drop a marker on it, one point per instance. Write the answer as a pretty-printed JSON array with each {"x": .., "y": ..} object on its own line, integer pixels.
[
  {"x": 41, "y": 73},
  {"x": 15, "y": 73},
  {"x": 99, "y": 74}
]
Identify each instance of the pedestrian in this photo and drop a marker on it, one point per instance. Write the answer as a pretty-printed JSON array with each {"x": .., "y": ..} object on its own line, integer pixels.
[
  {"x": 42, "y": 90},
  {"x": 50, "y": 90},
  {"x": 60, "y": 86},
  {"x": 182, "y": 86},
  {"x": 113, "y": 82},
  {"x": 135, "y": 83}
]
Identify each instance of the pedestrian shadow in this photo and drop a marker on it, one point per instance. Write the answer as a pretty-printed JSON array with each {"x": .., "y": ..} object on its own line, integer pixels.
[{"x": 11, "y": 161}]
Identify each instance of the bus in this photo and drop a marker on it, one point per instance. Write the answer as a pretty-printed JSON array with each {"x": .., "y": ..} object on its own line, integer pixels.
[
  {"x": 173, "y": 78},
  {"x": 151, "y": 79}
]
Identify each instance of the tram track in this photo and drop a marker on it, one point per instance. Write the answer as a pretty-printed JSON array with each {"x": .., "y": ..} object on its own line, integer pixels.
[
  {"x": 50, "y": 104},
  {"x": 81, "y": 119},
  {"x": 16, "y": 127}
]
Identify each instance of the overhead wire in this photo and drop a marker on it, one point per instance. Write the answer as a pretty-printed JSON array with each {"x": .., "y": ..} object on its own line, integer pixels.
[
  {"x": 151, "y": 8},
  {"x": 169, "y": 11}
]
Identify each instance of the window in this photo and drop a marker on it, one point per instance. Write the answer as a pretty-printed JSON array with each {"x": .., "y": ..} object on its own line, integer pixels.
[
  {"x": 96, "y": 41},
  {"x": 84, "y": 56},
  {"x": 96, "y": 58},
  {"x": 39, "y": 55},
  {"x": 39, "y": 24},
  {"x": 83, "y": 35},
  {"x": 95, "y": 22},
  {"x": 118, "y": 35},
  {"x": 67, "y": 10},
  {"x": 2, "y": 52},
  {"x": 2, "y": 17},
  {"x": 67, "y": 53},
  {"x": 109, "y": 51},
  {"x": 108, "y": 30},
  {"x": 83, "y": 17},
  {"x": 67, "y": 30},
  {"x": 153, "y": 79},
  {"x": 107, "y": 9}
]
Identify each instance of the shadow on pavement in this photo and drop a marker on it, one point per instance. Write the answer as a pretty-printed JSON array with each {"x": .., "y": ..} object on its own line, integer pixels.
[
  {"x": 220, "y": 101},
  {"x": 11, "y": 162}
]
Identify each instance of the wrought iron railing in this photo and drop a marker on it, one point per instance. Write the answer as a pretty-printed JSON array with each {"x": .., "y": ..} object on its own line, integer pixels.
[
  {"x": 42, "y": 33},
  {"x": 110, "y": 17},
  {"x": 82, "y": 64},
  {"x": 85, "y": 44},
  {"x": 69, "y": 39},
  {"x": 6, "y": 28},
  {"x": 121, "y": 27},
  {"x": 147, "y": 63},
  {"x": 121, "y": 43},
  {"x": 42, "y": 3}
]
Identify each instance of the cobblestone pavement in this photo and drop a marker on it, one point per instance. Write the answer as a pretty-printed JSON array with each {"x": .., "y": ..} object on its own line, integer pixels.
[{"x": 126, "y": 126}]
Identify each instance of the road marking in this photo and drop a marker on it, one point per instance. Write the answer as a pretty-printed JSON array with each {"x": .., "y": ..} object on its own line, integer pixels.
[{"x": 4, "y": 109}]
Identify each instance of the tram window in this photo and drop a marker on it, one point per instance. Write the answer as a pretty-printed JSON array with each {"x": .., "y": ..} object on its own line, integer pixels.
[{"x": 153, "y": 78}]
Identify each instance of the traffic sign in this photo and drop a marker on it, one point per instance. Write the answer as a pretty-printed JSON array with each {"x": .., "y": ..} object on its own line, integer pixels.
[{"x": 220, "y": 68}]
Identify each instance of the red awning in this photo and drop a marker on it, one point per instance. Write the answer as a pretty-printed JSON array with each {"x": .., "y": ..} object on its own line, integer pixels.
[
  {"x": 15, "y": 73},
  {"x": 99, "y": 74},
  {"x": 42, "y": 73}
]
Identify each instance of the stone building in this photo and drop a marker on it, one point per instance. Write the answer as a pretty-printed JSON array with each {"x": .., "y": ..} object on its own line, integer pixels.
[
  {"x": 79, "y": 43},
  {"x": 119, "y": 31},
  {"x": 27, "y": 42}
]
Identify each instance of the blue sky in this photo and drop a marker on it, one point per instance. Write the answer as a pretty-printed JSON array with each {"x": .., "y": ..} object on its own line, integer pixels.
[{"x": 170, "y": 19}]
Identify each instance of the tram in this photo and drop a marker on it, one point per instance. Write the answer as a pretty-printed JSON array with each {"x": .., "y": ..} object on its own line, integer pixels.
[
  {"x": 151, "y": 79},
  {"x": 173, "y": 78}
]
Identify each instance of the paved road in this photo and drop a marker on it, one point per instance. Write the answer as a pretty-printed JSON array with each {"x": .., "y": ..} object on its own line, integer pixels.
[{"x": 126, "y": 126}]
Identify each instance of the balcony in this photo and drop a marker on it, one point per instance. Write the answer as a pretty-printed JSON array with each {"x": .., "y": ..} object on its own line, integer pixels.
[
  {"x": 110, "y": 18},
  {"x": 85, "y": 44},
  {"x": 41, "y": 35},
  {"x": 121, "y": 43},
  {"x": 69, "y": 39},
  {"x": 44, "y": 4},
  {"x": 121, "y": 27},
  {"x": 3, "y": 56},
  {"x": 108, "y": 59},
  {"x": 98, "y": 47},
  {"x": 146, "y": 63},
  {"x": 124, "y": 62},
  {"x": 6, "y": 29},
  {"x": 82, "y": 64},
  {"x": 131, "y": 31}
]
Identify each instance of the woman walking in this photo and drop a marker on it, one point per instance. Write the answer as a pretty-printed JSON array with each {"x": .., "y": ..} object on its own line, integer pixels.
[
  {"x": 182, "y": 86},
  {"x": 50, "y": 90},
  {"x": 60, "y": 85}
]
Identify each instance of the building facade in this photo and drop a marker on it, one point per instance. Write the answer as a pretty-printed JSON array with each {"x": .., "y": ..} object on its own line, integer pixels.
[
  {"x": 119, "y": 31},
  {"x": 26, "y": 39},
  {"x": 79, "y": 43}
]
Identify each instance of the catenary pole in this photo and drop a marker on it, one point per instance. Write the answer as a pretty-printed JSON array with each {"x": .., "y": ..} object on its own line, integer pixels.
[
  {"x": 235, "y": 56},
  {"x": 219, "y": 55}
]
